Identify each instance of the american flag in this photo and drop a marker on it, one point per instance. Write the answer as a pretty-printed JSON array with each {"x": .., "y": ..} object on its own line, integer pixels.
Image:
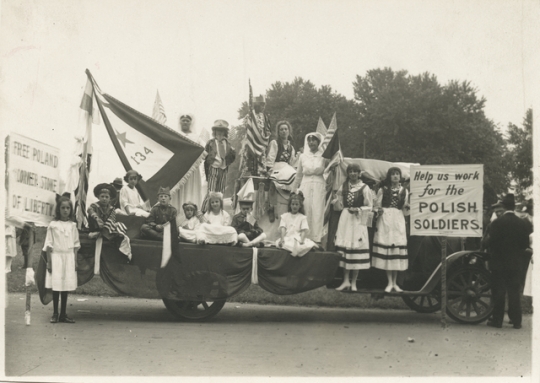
[
  {"x": 256, "y": 139},
  {"x": 321, "y": 128},
  {"x": 81, "y": 191},
  {"x": 204, "y": 136},
  {"x": 330, "y": 133},
  {"x": 158, "y": 113}
]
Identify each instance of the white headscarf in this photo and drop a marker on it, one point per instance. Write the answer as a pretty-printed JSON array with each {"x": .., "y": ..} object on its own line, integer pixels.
[{"x": 307, "y": 150}]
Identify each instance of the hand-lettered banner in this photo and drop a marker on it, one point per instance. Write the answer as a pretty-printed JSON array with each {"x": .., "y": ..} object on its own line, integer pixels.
[
  {"x": 446, "y": 200},
  {"x": 33, "y": 180}
]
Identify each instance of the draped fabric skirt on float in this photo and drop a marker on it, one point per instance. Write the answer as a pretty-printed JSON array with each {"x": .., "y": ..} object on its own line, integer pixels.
[
  {"x": 352, "y": 242},
  {"x": 64, "y": 276},
  {"x": 390, "y": 241},
  {"x": 216, "y": 234}
]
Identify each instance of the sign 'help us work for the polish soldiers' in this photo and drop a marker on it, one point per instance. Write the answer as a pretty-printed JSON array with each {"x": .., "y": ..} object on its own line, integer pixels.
[
  {"x": 33, "y": 178},
  {"x": 446, "y": 200}
]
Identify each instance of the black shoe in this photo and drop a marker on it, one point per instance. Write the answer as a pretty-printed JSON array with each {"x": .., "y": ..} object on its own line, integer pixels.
[
  {"x": 492, "y": 323},
  {"x": 517, "y": 326},
  {"x": 54, "y": 318},
  {"x": 66, "y": 319}
]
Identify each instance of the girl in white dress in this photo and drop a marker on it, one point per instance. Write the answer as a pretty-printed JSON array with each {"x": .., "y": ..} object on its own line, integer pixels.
[
  {"x": 217, "y": 227},
  {"x": 187, "y": 228},
  {"x": 390, "y": 241},
  {"x": 62, "y": 244},
  {"x": 130, "y": 199},
  {"x": 294, "y": 228},
  {"x": 352, "y": 240},
  {"x": 310, "y": 181}
]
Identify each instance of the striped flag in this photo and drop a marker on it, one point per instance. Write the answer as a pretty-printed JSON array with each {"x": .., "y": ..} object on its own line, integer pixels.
[
  {"x": 162, "y": 156},
  {"x": 158, "y": 113},
  {"x": 330, "y": 133},
  {"x": 321, "y": 127},
  {"x": 257, "y": 129},
  {"x": 89, "y": 115},
  {"x": 332, "y": 152}
]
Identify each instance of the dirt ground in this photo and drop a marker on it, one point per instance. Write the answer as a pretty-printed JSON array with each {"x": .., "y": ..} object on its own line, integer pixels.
[{"x": 138, "y": 337}]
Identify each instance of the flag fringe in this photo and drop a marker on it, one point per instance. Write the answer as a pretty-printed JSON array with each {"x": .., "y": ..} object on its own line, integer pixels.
[{"x": 184, "y": 179}]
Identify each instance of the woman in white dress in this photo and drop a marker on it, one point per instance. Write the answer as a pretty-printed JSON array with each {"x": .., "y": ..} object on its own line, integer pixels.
[
  {"x": 352, "y": 240},
  {"x": 390, "y": 241},
  {"x": 192, "y": 189},
  {"x": 310, "y": 181}
]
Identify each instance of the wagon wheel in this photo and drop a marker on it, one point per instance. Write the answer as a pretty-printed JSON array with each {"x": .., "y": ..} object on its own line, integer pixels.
[
  {"x": 469, "y": 297},
  {"x": 424, "y": 303},
  {"x": 193, "y": 310}
]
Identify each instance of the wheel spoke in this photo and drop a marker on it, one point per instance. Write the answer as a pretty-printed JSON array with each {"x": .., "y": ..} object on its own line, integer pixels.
[
  {"x": 464, "y": 282},
  {"x": 455, "y": 300},
  {"x": 483, "y": 303},
  {"x": 476, "y": 308},
  {"x": 422, "y": 301},
  {"x": 468, "y": 309},
  {"x": 469, "y": 282},
  {"x": 461, "y": 305},
  {"x": 205, "y": 305},
  {"x": 429, "y": 301},
  {"x": 485, "y": 295}
]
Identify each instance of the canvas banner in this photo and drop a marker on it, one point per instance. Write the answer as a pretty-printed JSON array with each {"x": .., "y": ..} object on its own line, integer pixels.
[
  {"x": 446, "y": 200},
  {"x": 33, "y": 180}
]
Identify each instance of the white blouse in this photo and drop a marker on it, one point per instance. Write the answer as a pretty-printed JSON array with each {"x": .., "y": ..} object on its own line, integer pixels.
[
  {"x": 310, "y": 164},
  {"x": 222, "y": 219},
  {"x": 190, "y": 224},
  {"x": 273, "y": 151},
  {"x": 130, "y": 197},
  {"x": 293, "y": 223},
  {"x": 62, "y": 236}
]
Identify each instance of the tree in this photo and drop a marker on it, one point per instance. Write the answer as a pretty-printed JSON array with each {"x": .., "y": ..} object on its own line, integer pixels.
[
  {"x": 415, "y": 119},
  {"x": 520, "y": 153}
]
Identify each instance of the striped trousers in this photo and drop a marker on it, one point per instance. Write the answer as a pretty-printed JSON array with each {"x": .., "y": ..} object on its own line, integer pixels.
[{"x": 217, "y": 180}]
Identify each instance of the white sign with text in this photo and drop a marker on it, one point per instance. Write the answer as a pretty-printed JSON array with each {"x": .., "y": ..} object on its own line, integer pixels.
[
  {"x": 446, "y": 200},
  {"x": 33, "y": 179}
]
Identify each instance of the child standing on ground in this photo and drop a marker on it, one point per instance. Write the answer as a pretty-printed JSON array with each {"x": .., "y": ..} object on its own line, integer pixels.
[
  {"x": 190, "y": 224},
  {"x": 130, "y": 199},
  {"x": 162, "y": 213},
  {"x": 249, "y": 232},
  {"x": 62, "y": 244},
  {"x": 294, "y": 228}
]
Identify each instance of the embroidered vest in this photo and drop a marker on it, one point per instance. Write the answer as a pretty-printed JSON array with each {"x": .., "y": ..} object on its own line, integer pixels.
[
  {"x": 387, "y": 197},
  {"x": 358, "y": 196}
]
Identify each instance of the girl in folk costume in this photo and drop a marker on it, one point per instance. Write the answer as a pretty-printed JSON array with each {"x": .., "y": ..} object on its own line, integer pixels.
[
  {"x": 187, "y": 228},
  {"x": 310, "y": 180},
  {"x": 390, "y": 241},
  {"x": 130, "y": 199},
  {"x": 220, "y": 155},
  {"x": 352, "y": 240},
  {"x": 294, "y": 228},
  {"x": 217, "y": 227},
  {"x": 62, "y": 244},
  {"x": 279, "y": 160}
]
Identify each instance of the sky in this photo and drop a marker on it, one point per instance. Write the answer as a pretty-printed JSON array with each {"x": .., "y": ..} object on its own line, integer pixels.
[{"x": 200, "y": 54}]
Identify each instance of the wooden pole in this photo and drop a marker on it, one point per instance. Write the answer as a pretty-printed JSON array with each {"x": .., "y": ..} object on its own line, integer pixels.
[
  {"x": 27, "y": 313},
  {"x": 443, "y": 283}
]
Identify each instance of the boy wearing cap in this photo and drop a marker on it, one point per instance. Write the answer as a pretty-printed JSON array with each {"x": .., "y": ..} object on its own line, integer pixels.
[
  {"x": 161, "y": 213},
  {"x": 220, "y": 155},
  {"x": 249, "y": 232},
  {"x": 101, "y": 211}
]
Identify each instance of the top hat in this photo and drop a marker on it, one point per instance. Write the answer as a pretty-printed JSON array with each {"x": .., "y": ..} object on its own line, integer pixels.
[
  {"x": 105, "y": 188},
  {"x": 117, "y": 183},
  {"x": 166, "y": 191},
  {"x": 509, "y": 202},
  {"x": 221, "y": 124}
]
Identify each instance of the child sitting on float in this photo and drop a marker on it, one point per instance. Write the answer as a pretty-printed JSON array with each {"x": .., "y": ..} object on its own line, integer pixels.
[
  {"x": 294, "y": 228},
  {"x": 130, "y": 199},
  {"x": 216, "y": 228},
  {"x": 187, "y": 228},
  {"x": 249, "y": 232},
  {"x": 162, "y": 213}
]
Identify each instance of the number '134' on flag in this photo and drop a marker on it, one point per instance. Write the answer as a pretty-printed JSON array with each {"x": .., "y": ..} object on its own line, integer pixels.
[{"x": 162, "y": 156}]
